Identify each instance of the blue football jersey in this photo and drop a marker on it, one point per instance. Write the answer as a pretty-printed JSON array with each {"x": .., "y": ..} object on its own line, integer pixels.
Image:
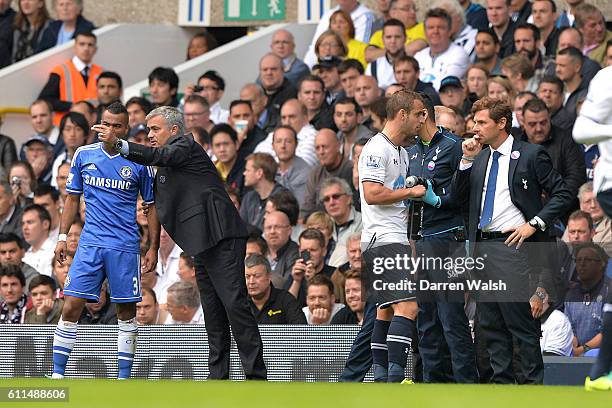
[{"x": 110, "y": 185}]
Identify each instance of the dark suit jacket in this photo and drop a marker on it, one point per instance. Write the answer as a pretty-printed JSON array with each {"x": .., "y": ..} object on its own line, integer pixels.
[
  {"x": 191, "y": 201},
  {"x": 534, "y": 166},
  {"x": 6, "y": 37},
  {"x": 49, "y": 36},
  {"x": 14, "y": 224}
]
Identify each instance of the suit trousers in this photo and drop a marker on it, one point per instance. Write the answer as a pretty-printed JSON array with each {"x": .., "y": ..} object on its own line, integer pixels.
[
  {"x": 442, "y": 323},
  {"x": 509, "y": 320},
  {"x": 220, "y": 276}
]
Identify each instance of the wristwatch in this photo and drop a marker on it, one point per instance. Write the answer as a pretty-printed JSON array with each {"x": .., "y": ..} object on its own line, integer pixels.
[
  {"x": 118, "y": 145},
  {"x": 586, "y": 348},
  {"x": 535, "y": 223}
]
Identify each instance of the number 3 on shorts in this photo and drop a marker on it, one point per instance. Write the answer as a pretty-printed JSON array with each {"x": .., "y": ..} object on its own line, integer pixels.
[{"x": 135, "y": 282}]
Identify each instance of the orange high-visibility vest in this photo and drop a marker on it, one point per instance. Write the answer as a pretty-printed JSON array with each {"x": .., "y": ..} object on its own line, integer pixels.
[{"x": 73, "y": 87}]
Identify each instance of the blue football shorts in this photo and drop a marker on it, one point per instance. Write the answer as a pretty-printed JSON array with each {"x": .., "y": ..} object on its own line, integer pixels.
[{"x": 91, "y": 265}]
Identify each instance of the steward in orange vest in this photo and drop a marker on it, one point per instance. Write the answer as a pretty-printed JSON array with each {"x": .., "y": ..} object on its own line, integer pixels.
[{"x": 66, "y": 84}]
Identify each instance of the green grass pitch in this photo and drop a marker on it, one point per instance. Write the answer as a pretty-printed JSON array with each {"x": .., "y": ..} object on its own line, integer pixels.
[{"x": 186, "y": 394}]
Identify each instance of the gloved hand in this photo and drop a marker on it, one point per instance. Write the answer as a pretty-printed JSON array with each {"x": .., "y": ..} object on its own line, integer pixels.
[{"x": 430, "y": 197}]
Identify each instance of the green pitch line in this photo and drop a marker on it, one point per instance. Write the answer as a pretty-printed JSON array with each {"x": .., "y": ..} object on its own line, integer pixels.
[{"x": 186, "y": 394}]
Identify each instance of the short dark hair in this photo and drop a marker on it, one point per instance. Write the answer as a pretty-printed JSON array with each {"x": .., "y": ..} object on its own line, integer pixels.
[
  {"x": 188, "y": 259},
  {"x": 284, "y": 201},
  {"x": 359, "y": 142},
  {"x": 429, "y": 105},
  {"x": 202, "y": 134},
  {"x": 11, "y": 270},
  {"x": 379, "y": 107},
  {"x": 313, "y": 234},
  {"x": 164, "y": 74},
  {"x": 347, "y": 100},
  {"x": 438, "y": 13},
  {"x": 211, "y": 41},
  {"x": 527, "y": 26},
  {"x": 111, "y": 75},
  {"x": 89, "y": 34},
  {"x": 40, "y": 280},
  {"x": 350, "y": 63},
  {"x": 394, "y": 22},
  {"x": 43, "y": 214},
  {"x": 491, "y": 34},
  {"x": 311, "y": 78},
  {"x": 223, "y": 128},
  {"x": 497, "y": 110},
  {"x": 215, "y": 77},
  {"x": 321, "y": 280},
  {"x": 257, "y": 260},
  {"x": 117, "y": 108},
  {"x": 90, "y": 107},
  {"x": 260, "y": 242},
  {"x": 144, "y": 103},
  {"x": 289, "y": 129},
  {"x": 7, "y": 237},
  {"x": 237, "y": 102},
  {"x": 552, "y": 4},
  {"x": 535, "y": 105},
  {"x": 77, "y": 119},
  {"x": 44, "y": 189},
  {"x": 552, "y": 79},
  {"x": 574, "y": 53}
]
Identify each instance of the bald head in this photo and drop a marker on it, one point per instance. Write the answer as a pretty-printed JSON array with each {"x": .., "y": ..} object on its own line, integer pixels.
[
  {"x": 294, "y": 114},
  {"x": 283, "y": 43},
  {"x": 366, "y": 90},
  {"x": 570, "y": 37},
  {"x": 271, "y": 71},
  {"x": 327, "y": 148}
]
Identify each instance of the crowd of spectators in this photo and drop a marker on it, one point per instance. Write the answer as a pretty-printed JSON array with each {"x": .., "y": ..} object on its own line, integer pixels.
[{"x": 287, "y": 145}]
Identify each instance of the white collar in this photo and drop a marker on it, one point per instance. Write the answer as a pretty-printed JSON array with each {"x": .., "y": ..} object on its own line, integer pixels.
[
  {"x": 505, "y": 147},
  {"x": 78, "y": 64}
]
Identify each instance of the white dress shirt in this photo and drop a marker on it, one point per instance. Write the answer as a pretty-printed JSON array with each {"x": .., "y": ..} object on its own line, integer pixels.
[
  {"x": 218, "y": 114},
  {"x": 505, "y": 213},
  {"x": 41, "y": 260},
  {"x": 198, "y": 318},
  {"x": 168, "y": 273}
]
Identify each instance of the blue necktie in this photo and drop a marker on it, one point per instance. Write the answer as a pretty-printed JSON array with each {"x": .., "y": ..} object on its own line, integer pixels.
[{"x": 487, "y": 210}]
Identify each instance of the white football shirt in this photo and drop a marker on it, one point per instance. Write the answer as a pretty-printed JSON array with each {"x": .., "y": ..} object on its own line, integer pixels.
[{"x": 384, "y": 163}]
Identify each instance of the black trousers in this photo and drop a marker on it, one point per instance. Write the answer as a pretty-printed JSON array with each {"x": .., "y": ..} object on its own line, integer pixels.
[
  {"x": 444, "y": 330},
  {"x": 220, "y": 277},
  {"x": 505, "y": 318}
]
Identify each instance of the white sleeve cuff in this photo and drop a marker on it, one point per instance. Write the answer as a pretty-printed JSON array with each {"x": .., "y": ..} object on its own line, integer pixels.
[
  {"x": 125, "y": 148},
  {"x": 463, "y": 166}
]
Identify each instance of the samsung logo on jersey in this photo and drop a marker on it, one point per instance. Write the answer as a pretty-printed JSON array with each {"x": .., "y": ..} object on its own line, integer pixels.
[{"x": 107, "y": 183}]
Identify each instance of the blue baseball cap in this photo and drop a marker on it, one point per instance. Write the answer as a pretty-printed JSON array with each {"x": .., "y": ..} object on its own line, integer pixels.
[
  {"x": 40, "y": 139},
  {"x": 451, "y": 81},
  {"x": 139, "y": 128}
]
